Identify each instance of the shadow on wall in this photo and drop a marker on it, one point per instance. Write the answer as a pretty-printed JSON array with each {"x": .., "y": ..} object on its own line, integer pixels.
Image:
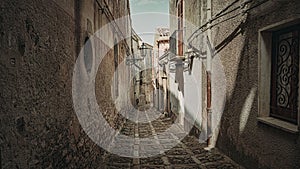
[
  {"x": 240, "y": 136},
  {"x": 192, "y": 124},
  {"x": 230, "y": 134}
]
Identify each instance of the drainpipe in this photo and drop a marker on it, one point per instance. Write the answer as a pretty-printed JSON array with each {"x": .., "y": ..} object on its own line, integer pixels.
[
  {"x": 208, "y": 72},
  {"x": 158, "y": 76},
  {"x": 164, "y": 83}
]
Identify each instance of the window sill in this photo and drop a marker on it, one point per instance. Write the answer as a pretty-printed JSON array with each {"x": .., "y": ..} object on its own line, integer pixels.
[{"x": 282, "y": 125}]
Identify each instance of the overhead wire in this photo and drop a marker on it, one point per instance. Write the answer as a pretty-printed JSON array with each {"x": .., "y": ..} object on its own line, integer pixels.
[
  {"x": 220, "y": 14},
  {"x": 111, "y": 18}
]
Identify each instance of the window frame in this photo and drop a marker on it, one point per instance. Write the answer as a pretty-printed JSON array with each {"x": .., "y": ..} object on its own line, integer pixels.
[
  {"x": 286, "y": 114},
  {"x": 180, "y": 26},
  {"x": 265, "y": 39}
]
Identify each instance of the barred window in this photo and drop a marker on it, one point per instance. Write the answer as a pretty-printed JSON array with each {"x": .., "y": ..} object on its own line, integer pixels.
[{"x": 285, "y": 74}]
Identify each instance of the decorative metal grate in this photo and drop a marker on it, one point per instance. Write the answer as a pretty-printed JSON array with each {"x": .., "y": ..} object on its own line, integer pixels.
[{"x": 285, "y": 74}]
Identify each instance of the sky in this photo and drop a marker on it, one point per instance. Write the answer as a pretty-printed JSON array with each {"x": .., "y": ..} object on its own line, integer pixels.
[{"x": 147, "y": 15}]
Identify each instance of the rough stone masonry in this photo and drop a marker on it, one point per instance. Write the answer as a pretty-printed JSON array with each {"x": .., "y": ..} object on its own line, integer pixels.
[{"x": 39, "y": 41}]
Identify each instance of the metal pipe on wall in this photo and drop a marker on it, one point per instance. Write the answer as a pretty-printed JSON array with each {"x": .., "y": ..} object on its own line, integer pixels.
[{"x": 208, "y": 72}]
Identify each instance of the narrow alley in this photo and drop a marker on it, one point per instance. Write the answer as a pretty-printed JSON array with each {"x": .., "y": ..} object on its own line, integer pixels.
[{"x": 136, "y": 84}]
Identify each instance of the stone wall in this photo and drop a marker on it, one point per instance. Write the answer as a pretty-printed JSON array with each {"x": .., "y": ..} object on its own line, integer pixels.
[
  {"x": 39, "y": 43},
  {"x": 241, "y": 135},
  {"x": 235, "y": 38}
]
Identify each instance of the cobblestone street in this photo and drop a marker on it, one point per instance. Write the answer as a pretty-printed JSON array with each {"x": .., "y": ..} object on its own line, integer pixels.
[
  {"x": 150, "y": 84},
  {"x": 188, "y": 153}
]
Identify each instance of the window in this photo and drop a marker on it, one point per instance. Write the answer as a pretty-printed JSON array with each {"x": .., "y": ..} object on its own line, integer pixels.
[
  {"x": 88, "y": 55},
  {"x": 180, "y": 27},
  {"x": 179, "y": 64},
  {"x": 278, "y": 66},
  {"x": 285, "y": 74},
  {"x": 116, "y": 63},
  {"x": 173, "y": 45}
]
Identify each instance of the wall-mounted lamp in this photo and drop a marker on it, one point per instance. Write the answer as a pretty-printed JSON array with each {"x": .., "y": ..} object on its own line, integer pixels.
[
  {"x": 143, "y": 50},
  {"x": 190, "y": 55},
  {"x": 139, "y": 58}
]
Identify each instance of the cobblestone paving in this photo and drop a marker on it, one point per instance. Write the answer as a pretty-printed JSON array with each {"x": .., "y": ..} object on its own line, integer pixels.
[{"x": 188, "y": 153}]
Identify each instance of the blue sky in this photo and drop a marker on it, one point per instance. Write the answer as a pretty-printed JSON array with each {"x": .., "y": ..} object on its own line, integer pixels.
[{"x": 147, "y": 15}]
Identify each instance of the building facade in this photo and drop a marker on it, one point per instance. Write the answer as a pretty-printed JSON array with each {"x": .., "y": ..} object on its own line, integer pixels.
[
  {"x": 136, "y": 87},
  {"x": 142, "y": 70},
  {"x": 39, "y": 45},
  {"x": 160, "y": 48},
  {"x": 244, "y": 57},
  {"x": 147, "y": 74}
]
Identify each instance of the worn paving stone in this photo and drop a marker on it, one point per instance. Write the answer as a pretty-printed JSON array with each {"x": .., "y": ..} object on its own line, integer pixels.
[
  {"x": 150, "y": 148},
  {"x": 167, "y": 146},
  {"x": 185, "y": 167},
  {"x": 111, "y": 158},
  {"x": 118, "y": 166},
  {"x": 153, "y": 167},
  {"x": 165, "y": 136},
  {"x": 187, "y": 153},
  {"x": 167, "y": 141},
  {"x": 184, "y": 159},
  {"x": 152, "y": 161},
  {"x": 177, "y": 151},
  {"x": 197, "y": 150}
]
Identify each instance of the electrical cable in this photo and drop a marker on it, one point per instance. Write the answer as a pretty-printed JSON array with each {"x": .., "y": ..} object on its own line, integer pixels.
[
  {"x": 111, "y": 18},
  {"x": 191, "y": 38}
]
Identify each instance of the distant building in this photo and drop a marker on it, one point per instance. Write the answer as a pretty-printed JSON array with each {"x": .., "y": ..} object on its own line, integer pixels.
[
  {"x": 160, "y": 48},
  {"x": 142, "y": 70},
  {"x": 147, "y": 74}
]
